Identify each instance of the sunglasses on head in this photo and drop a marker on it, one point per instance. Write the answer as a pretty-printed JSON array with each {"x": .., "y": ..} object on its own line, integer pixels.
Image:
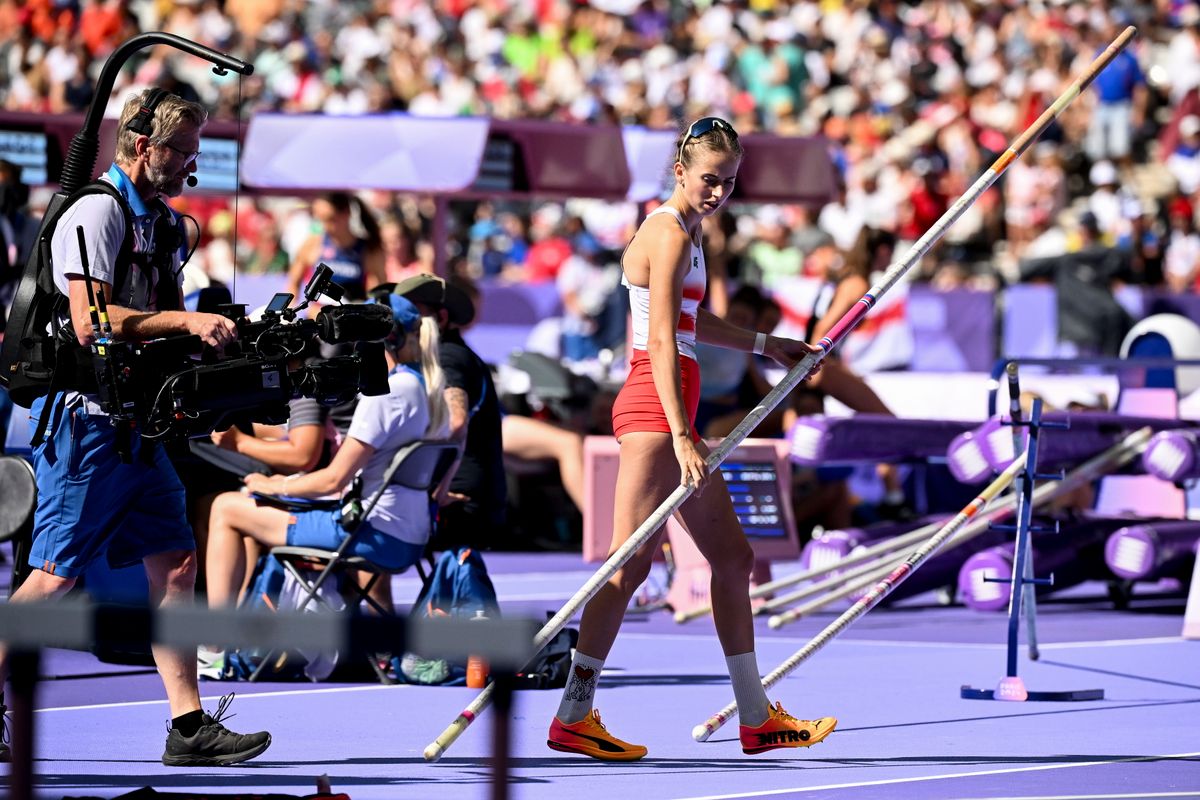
[{"x": 702, "y": 126}]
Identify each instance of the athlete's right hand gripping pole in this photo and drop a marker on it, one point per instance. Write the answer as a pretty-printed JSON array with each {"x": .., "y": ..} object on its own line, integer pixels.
[{"x": 790, "y": 381}]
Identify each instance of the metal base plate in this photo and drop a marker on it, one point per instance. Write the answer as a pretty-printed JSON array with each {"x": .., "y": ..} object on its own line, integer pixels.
[{"x": 1070, "y": 696}]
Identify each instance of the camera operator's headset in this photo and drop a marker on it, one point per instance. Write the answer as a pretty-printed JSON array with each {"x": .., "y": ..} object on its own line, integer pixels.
[{"x": 143, "y": 122}]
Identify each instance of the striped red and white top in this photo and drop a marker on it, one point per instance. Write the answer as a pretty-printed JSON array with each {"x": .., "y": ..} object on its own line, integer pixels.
[{"x": 693, "y": 292}]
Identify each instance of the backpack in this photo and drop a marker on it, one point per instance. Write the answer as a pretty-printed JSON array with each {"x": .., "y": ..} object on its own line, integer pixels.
[
  {"x": 459, "y": 586},
  {"x": 35, "y": 345},
  {"x": 34, "y": 342},
  {"x": 550, "y": 668}
]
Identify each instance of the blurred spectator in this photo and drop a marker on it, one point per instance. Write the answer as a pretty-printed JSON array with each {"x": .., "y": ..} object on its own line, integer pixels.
[
  {"x": 1035, "y": 191},
  {"x": 725, "y": 386},
  {"x": 772, "y": 256},
  {"x": 1182, "y": 67},
  {"x": 1088, "y": 314},
  {"x": 926, "y": 200},
  {"x": 347, "y": 241},
  {"x": 17, "y": 230},
  {"x": 549, "y": 248},
  {"x": 1143, "y": 247},
  {"x": 268, "y": 256},
  {"x": 17, "y": 227},
  {"x": 842, "y": 219},
  {"x": 1120, "y": 93},
  {"x": 218, "y": 254},
  {"x": 586, "y": 283},
  {"x": 1181, "y": 262},
  {"x": 1107, "y": 202},
  {"x": 739, "y": 380},
  {"x": 399, "y": 250},
  {"x": 101, "y": 24},
  {"x": 1184, "y": 161}
]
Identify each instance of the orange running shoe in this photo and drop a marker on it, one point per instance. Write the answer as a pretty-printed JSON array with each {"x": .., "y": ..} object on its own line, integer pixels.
[
  {"x": 589, "y": 737},
  {"x": 783, "y": 730}
]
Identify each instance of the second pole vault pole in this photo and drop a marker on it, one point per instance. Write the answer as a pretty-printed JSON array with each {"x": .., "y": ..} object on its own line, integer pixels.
[{"x": 791, "y": 380}]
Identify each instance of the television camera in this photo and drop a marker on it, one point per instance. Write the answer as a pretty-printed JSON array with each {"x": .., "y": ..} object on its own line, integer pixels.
[{"x": 176, "y": 387}]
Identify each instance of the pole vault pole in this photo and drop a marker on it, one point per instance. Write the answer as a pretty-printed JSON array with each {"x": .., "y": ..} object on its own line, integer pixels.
[{"x": 791, "y": 380}]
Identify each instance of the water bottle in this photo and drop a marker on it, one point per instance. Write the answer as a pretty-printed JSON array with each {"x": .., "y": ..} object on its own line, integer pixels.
[{"x": 477, "y": 668}]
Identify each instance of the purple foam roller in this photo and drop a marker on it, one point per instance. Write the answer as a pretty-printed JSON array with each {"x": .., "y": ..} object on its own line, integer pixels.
[
  {"x": 970, "y": 456},
  {"x": 1164, "y": 549},
  {"x": 1171, "y": 456}
]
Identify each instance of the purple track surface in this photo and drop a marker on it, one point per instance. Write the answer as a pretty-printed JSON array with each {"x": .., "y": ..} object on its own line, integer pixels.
[{"x": 892, "y": 680}]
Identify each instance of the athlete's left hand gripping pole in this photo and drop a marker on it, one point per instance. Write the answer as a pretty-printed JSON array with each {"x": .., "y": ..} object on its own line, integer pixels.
[{"x": 795, "y": 375}]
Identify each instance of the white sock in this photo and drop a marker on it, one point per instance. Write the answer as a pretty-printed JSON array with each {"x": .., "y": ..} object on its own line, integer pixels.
[
  {"x": 581, "y": 688},
  {"x": 748, "y": 689}
]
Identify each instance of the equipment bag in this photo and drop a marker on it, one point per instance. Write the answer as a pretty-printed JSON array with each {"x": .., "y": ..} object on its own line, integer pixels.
[
  {"x": 550, "y": 668},
  {"x": 459, "y": 586}
]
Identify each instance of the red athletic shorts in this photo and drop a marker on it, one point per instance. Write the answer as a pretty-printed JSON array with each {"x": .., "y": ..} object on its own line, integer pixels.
[{"x": 637, "y": 407}]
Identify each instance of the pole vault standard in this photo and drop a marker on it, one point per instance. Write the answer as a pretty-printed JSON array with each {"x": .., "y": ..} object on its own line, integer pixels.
[
  {"x": 1107, "y": 461},
  {"x": 1081, "y": 475},
  {"x": 790, "y": 381}
]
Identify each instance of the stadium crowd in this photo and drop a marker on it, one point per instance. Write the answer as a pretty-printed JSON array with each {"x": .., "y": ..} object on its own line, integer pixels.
[{"x": 916, "y": 98}]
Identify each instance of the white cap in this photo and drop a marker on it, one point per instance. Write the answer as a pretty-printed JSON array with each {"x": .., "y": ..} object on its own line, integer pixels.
[{"x": 1189, "y": 125}]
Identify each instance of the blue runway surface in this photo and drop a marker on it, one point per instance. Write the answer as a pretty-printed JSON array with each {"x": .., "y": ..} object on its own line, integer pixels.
[{"x": 892, "y": 680}]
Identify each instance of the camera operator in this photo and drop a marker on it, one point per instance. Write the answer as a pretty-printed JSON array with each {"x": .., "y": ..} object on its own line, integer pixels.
[
  {"x": 474, "y": 501},
  {"x": 92, "y": 502}
]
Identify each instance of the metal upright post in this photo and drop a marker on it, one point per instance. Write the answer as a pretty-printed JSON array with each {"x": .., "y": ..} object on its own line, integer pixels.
[
  {"x": 1011, "y": 687},
  {"x": 1028, "y": 594},
  {"x": 1020, "y": 561}
]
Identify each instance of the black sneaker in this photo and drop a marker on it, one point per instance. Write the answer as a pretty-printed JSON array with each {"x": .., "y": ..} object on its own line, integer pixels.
[{"x": 213, "y": 745}]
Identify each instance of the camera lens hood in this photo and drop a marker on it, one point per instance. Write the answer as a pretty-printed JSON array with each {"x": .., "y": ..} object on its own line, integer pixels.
[{"x": 369, "y": 322}]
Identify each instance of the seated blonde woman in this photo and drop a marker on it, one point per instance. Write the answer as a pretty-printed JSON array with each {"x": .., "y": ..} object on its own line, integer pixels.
[{"x": 394, "y": 534}]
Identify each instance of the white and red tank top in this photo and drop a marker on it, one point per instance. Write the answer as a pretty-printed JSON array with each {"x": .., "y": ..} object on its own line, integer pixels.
[{"x": 693, "y": 292}]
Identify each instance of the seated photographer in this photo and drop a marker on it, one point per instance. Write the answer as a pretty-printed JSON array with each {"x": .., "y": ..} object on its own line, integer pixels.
[
  {"x": 395, "y": 532},
  {"x": 92, "y": 503}
]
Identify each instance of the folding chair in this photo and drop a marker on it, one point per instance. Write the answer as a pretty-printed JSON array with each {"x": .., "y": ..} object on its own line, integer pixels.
[{"x": 420, "y": 465}]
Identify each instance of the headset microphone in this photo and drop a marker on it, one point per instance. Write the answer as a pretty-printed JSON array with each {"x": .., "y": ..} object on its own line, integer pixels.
[{"x": 191, "y": 180}]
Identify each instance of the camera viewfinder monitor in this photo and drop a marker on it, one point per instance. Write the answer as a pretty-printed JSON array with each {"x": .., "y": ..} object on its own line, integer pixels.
[{"x": 279, "y": 302}]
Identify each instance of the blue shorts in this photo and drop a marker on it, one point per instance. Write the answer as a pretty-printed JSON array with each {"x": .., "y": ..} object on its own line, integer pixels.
[
  {"x": 91, "y": 503},
  {"x": 321, "y": 529}
]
